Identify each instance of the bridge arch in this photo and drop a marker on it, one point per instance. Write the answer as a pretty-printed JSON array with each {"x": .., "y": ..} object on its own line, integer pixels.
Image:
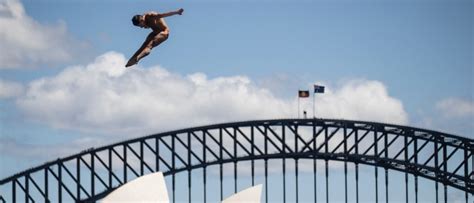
[{"x": 441, "y": 157}]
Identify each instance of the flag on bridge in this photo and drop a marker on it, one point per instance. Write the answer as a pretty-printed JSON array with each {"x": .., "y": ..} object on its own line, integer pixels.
[
  {"x": 318, "y": 89},
  {"x": 303, "y": 93}
]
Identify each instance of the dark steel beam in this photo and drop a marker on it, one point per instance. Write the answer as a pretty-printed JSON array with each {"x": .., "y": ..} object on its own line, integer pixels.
[{"x": 444, "y": 169}]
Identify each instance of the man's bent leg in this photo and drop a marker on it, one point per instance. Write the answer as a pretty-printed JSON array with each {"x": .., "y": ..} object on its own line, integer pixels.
[
  {"x": 150, "y": 42},
  {"x": 157, "y": 40},
  {"x": 142, "y": 51}
]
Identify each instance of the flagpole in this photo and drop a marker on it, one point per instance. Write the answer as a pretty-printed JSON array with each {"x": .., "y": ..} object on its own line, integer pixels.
[
  {"x": 314, "y": 103},
  {"x": 298, "y": 105},
  {"x": 317, "y": 89}
]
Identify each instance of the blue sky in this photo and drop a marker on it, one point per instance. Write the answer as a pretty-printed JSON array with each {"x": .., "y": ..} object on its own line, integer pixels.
[{"x": 412, "y": 59}]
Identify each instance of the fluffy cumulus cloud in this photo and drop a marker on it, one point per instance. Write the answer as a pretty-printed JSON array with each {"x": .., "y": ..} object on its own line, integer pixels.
[
  {"x": 105, "y": 97},
  {"x": 455, "y": 107},
  {"x": 9, "y": 89},
  {"x": 25, "y": 42}
]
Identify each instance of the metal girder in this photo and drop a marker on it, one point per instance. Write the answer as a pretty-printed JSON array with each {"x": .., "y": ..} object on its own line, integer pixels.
[{"x": 449, "y": 160}]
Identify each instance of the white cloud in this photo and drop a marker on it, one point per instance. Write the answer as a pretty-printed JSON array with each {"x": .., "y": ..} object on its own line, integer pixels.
[
  {"x": 359, "y": 100},
  {"x": 10, "y": 89},
  {"x": 26, "y": 43},
  {"x": 455, "y": 107},
  {"x": 106, "y": 97}
]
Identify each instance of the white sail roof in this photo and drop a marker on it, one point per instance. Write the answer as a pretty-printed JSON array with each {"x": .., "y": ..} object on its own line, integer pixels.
[
  {"x": 249, "y": 195},
  {"x": 148, "y": 188}
]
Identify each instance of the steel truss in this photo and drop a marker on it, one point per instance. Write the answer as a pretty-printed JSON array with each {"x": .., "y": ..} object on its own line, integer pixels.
[{"x": 93, "y": 173}]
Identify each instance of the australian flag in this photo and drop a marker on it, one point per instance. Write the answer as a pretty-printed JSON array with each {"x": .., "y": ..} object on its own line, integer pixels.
[{"x": 318, "y": 89}]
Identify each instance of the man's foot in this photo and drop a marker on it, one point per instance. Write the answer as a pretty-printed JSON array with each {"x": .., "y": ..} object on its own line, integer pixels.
[{"x": 131, "y": 62}]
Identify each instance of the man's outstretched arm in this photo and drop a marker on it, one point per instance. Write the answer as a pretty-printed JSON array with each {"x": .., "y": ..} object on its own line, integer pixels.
[{"x": 164, "y": 15}]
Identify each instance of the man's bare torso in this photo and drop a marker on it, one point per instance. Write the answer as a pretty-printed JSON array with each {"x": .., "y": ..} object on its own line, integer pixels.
[{"x": 156, "y": 23}]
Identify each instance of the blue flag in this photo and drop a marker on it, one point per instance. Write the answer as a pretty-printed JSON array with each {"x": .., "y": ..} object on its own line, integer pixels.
[{"x": 318, "y": 89}]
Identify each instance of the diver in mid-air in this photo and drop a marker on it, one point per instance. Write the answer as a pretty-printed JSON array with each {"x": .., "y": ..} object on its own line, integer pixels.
[{"x": 160, "y": 32}]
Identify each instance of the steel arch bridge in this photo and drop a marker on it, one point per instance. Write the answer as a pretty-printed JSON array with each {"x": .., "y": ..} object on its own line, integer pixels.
[{"x": 88, "y": 176}]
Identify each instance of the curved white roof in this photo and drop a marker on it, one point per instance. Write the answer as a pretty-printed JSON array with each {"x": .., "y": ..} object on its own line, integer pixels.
[
  {"x": 147, "y": 188},
  {"x": 249, "y": 195}
]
